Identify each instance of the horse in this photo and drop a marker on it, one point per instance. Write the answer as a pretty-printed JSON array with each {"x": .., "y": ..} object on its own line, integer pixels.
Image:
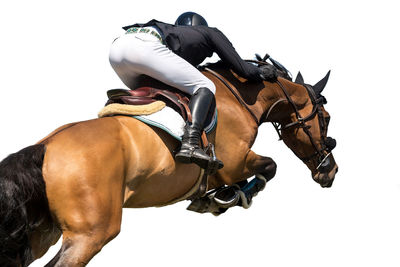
[{"x": 76, "y": 181}]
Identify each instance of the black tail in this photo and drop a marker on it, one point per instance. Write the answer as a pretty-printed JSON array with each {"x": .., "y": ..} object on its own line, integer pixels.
[{"x": 23, "y": 203}]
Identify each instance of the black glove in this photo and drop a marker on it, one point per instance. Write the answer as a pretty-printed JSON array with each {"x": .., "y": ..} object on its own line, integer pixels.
[{"x": 268, "y": 73}]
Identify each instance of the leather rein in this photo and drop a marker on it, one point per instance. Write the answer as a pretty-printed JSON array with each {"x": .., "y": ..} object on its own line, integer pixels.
[{"x": 325, "y": 151}]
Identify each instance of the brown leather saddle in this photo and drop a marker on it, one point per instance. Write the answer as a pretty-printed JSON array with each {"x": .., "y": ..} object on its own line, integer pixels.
[{"x": 146, "y": 95}]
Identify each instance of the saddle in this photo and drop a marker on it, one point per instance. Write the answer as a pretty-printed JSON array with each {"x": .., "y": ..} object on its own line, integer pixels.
[{"x": 147, "y": 95}]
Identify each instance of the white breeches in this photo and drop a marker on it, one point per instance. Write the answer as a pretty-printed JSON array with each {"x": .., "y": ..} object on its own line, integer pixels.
[{"x": 135, "y": 54}]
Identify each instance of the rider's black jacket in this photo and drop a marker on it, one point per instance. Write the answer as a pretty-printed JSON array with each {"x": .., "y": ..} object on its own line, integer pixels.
[{"x": 195, "y": 43}]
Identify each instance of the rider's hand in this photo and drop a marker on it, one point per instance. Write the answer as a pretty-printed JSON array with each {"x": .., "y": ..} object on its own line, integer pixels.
[{"x": 268, "y": 73}]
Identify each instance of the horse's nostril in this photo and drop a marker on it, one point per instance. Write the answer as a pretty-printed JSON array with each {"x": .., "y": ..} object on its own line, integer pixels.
[{"x": 337, "y": 169}]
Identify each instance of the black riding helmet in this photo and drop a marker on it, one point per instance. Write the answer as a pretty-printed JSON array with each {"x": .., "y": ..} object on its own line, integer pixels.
[{"x": 190, "y": 19}]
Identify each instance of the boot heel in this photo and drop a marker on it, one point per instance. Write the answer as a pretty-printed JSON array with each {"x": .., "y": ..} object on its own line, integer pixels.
[
  {"x": 182, "y": 158},
  {"x": 203, "y": 163}
]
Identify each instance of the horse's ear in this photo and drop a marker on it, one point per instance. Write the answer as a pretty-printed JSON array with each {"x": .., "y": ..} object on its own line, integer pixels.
[
  {"x": 299, "y": 78},
  {"x": 319, "y": 86}
]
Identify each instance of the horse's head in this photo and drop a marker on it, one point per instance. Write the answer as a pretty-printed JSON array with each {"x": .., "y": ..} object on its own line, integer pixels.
[{"x": 305, "y": 132}]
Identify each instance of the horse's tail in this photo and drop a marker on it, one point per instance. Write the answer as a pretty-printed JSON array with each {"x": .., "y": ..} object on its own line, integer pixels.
[{"x": 23, "y": 203}]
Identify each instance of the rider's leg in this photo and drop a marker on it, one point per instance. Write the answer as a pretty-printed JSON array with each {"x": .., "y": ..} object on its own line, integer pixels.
[
  {"x": 130, "y": 56},
  {"x": 191, "y": 152}
]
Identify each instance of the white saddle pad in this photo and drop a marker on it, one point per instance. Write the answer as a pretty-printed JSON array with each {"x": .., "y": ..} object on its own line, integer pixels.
[{"x": 170, "y": 121}]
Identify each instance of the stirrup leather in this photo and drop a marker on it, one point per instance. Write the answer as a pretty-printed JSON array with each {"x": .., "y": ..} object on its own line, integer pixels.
[{"x": 214, "y": 164}]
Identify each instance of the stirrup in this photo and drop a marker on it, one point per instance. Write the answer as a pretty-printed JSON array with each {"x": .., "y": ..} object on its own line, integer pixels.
[{"x": 227, "y": 197}]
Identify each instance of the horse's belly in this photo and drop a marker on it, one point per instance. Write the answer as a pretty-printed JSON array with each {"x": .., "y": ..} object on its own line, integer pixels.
[{"x": 161, "y": 189}]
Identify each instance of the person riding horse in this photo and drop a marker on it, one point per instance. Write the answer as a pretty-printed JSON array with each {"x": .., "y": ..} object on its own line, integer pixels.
[
  {"x": 170, "y": 54},
  {"x": 75, "y": 182}
]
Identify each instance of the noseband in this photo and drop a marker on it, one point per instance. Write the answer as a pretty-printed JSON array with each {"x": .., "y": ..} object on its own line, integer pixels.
[{"x": 327, "y": 143}]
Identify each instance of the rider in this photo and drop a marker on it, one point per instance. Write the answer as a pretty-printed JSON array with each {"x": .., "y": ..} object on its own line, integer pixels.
[{"x": 170, "y": 53}]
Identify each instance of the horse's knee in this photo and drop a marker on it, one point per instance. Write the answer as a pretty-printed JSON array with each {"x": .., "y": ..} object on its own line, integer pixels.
[
  {"x": 257, "y": 164},
  {"x": 269, "y": 170}
]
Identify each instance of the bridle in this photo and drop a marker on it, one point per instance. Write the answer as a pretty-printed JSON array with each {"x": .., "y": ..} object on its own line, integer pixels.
[{"x": 327, "y": 143}]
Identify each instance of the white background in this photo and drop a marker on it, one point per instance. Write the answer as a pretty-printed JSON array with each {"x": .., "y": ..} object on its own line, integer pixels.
[{"x": 54, "y": 69}]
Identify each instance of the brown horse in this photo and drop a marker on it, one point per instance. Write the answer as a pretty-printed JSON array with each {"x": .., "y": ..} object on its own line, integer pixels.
[{"x": 76, "y": 181}]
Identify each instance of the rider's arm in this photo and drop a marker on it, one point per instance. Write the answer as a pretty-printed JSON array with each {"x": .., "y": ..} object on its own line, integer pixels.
[{"x": 225, "y": 50}]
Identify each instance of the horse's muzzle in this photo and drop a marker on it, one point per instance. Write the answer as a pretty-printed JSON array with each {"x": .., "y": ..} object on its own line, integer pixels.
[{"x": 325, "y": 179}]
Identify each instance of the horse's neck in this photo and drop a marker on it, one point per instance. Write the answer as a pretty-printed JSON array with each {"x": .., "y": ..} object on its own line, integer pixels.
[
  {"x": 276, "y": 98},
  {"x": 266, "y": 101},
  {"x": 240, "y": 92}
]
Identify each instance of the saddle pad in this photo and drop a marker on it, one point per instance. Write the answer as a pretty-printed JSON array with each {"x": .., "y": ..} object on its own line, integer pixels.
[
  {"x": 171, "y": 122},
  {"x": 122, "y": 109},
  {"x": 155, "y": 114}
]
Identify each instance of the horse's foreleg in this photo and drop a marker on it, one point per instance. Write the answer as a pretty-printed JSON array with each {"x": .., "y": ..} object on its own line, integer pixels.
[
  {"x": 236, "y": 175},
  {"x": 264, "y": 168},
  {"x": 240, "y": 170},
  {"x": 256, "y": 164}
]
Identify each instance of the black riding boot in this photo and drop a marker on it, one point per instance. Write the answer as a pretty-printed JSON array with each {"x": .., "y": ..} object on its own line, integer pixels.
[{"x": 191, "y": 151}]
